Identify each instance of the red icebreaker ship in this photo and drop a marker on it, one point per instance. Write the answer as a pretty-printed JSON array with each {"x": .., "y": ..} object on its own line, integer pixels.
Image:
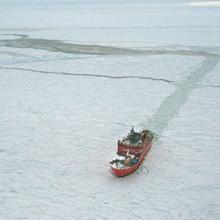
[{"x": 131, "y": 152}]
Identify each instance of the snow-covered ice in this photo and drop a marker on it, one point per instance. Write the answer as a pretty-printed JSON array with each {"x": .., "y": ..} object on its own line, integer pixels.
[{"x": 76, "y": 75}]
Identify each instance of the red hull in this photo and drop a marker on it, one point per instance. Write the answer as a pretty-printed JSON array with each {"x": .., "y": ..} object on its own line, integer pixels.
[{"x": 120, "y": 172}]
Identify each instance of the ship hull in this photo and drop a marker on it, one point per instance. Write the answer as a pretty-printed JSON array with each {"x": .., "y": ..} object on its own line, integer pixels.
[{"x": 120, "y": 172}]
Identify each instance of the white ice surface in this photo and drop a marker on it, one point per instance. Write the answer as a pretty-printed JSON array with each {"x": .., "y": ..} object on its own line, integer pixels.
[{"x": 61, "y": 114}]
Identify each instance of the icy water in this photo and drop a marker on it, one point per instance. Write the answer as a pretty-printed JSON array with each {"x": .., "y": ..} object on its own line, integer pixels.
[{"x": 76, "y": 75}]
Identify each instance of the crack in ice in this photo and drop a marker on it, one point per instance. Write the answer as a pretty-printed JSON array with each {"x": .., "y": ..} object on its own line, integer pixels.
[
  {"x": 72, "y": 48},
  {"x": 88, "y": 75},
  {"x": 213, "y": 86}
]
